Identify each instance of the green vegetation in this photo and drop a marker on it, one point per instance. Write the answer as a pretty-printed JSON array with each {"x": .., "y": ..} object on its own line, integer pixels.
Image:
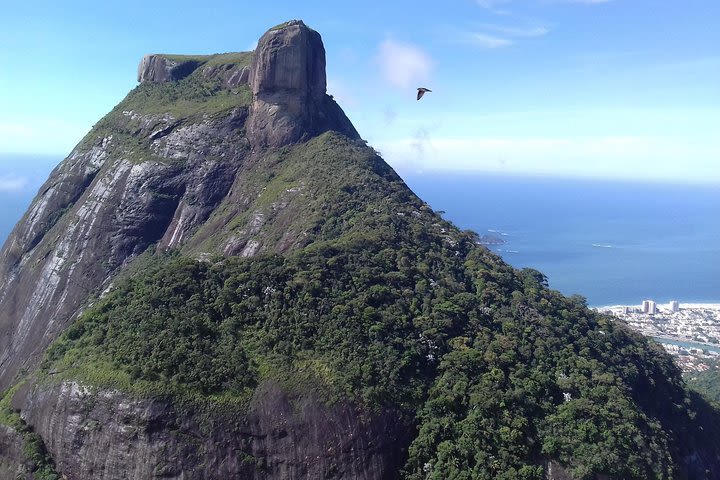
[
  {"x": 186, "y": 98},
  {"x": 231, "y": 59},
  {"x": 193, "y": 99},
  {"x": 303, "y": 199},
  {"x": 39, "y": 462},
  {"x": 707, "y": 383},
  {"x": 281, "y": 25}
]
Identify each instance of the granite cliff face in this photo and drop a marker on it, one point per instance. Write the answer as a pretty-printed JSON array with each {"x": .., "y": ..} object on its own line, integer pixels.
[
  {"x": 106, "y": 434},
  {"x": 374, "y": 340},
  {"x": 288, "y": 82},
  {"x": 287, "y": 78}
]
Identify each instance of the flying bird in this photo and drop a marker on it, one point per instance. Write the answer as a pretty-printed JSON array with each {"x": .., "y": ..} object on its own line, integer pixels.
[{"x": 421, "y": 92}]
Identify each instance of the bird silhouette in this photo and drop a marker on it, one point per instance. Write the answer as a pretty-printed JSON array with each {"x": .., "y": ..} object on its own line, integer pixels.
[{"x": 421, "y": 92}]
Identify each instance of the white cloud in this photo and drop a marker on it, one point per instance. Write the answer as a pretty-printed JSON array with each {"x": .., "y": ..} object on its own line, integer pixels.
[
  {"x": 404, "y": 65},
  {"x": 12, "y": 183},
  {"x": 39, "y": 135}
]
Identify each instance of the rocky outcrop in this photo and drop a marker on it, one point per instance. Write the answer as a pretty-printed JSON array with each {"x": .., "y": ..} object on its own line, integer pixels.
[
  {"x": 102, "y": 434},
  {"x": 228, "y": 170},
  {"x": 288, "y": 81},
  {"x": 160, "y": 68},
  {"x": 13, "y": 462},
  {"x": 230, "y": 75}
]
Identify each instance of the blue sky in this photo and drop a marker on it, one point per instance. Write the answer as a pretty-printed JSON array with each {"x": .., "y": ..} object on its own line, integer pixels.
[{"x": 590, "y": 88}]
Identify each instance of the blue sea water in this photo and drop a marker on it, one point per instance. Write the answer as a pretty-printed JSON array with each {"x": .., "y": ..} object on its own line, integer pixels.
[{"x": 612, "y": 242}]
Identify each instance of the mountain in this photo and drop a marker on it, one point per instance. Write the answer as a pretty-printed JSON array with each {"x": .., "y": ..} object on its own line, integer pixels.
[{"x": 222, "y": 280}]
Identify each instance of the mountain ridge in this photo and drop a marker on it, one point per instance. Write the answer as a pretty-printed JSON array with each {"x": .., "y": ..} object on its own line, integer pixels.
[{"x": 232, "y": 283}]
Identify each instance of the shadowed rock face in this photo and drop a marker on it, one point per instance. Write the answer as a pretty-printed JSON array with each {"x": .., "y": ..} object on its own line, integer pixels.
[
  {"x": 287, "y": 78},
  {"x": 160, "y": 69},
  {"x": 13, "y": 462},
  {"x": 106, "y": 435}
]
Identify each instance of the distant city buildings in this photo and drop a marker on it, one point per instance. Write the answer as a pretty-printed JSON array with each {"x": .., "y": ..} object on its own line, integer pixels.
[
  {"x": 690, "y": 334},
  {"x": 649, "y": 307}
]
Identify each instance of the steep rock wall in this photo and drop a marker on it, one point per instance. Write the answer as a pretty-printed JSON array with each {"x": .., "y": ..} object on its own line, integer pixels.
[{"x": 103, "y": 434}]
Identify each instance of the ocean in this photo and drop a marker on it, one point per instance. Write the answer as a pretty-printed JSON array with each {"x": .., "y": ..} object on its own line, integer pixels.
[{"x": 612, "y": 242}]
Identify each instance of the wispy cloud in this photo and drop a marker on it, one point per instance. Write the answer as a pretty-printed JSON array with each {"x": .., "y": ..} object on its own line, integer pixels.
[
  {"x": 527, "y": 31},
  {"x": 484, "y": 40},
  {"x": 403, "y": 65},
  {"x": 15, "y": 130},
  {"x": 489, "y": 36},
  {"x": 587, "y": 2},
  {"x": 492, "y": 5},
  {"x": 39, "y": 135},
  {"x": 12, "y": 183}
]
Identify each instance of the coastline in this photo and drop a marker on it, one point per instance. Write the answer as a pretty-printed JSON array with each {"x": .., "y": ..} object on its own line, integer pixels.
[
  {"x": 690, "y": 332},
  {"x": 663, "y": 339},
  {"x": 682, "y": 305}
]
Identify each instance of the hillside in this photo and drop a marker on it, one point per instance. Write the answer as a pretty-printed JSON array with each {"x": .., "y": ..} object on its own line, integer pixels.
[{"x": 224, "y": 281}]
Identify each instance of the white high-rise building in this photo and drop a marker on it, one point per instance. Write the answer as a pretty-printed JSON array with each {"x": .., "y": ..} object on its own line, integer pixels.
[
  {"x": 645, "y": 306},
  {"x": 652, "y": 308},
  {"x": 674, "y": 306}
]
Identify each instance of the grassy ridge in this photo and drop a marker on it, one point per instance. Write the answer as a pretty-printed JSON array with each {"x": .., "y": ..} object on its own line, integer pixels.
[{"x": 201, "y": 96}]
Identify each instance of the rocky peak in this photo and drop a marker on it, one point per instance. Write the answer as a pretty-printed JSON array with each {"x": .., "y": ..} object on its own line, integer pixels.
[
  {"x": 288, "y": 81},
  {"x": 290, "y": 57}
]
